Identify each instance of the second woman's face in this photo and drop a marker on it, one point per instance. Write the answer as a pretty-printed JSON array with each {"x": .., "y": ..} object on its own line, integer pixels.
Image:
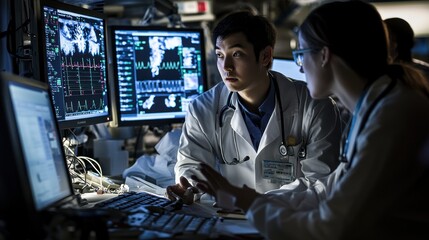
[{"x": 317, "y": 73}]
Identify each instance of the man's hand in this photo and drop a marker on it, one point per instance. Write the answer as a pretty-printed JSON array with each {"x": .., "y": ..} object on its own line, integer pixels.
[
  {"x": 183, "y": 190},
  {"x": 242, "y": 197}
]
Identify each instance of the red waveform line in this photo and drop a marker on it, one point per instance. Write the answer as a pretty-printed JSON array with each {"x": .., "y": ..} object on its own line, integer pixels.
[{"x": 80, "y": 64}]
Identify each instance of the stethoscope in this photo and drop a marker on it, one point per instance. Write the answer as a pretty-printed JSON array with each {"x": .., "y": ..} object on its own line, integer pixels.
[
  {"x": 346, "y": 137},
  {"x": 283, "y": 150}
]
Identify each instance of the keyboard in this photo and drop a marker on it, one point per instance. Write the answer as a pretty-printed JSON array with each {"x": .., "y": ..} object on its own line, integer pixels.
[
  {"x": 174, "y": 224},
  {"x": 151, "y": 213},
  {"x": 130, "y": 201}
]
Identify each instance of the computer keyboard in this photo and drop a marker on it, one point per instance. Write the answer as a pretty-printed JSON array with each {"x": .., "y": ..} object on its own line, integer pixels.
[
  {"x": 148, "y": 212},
  {"x": 173, "y": 223},
  {"x": 130, "y": 201}
]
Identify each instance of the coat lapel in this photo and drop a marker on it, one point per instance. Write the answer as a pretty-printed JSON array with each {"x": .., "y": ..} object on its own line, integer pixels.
[
  {"x": 289, "y": 98},
  {"x": 370, "y": 96}
]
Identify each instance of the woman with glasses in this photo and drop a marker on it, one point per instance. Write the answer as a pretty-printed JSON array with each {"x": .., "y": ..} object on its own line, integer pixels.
[
  {"x": 257, "y": 128},
  {"x": 379, "y": 190}
]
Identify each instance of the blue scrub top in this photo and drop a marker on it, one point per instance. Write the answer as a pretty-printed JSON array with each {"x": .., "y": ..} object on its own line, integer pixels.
[{"x": 257, "y": 122}]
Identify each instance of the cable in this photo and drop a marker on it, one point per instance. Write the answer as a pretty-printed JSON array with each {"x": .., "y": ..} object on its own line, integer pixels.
[
  {"x": 99, "y": 171},
  {"x": 77, "y": 166},
  {"x": 147, "y": 17},
  {"x": 137, "y": 143},
  {"x": 9, "y": 38},
  {"x": 81, "y": 160}
]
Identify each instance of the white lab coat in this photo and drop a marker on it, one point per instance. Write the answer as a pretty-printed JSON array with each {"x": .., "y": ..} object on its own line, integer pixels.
[
  {"x": 382, "y": 195},
  {"x": 200, "y": 140}
]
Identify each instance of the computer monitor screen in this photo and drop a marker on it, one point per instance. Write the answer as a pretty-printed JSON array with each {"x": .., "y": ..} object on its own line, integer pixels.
[
  {"x": 73, "y": 51},
  {"x": 34, "y": 174},
  {"x": 158, "y": 71},
  {"x": 41, "y": 143},
  {"x": 288, "y": 68}
]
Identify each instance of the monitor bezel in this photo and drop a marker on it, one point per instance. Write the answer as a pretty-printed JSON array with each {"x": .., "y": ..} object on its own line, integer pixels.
[
  {"x": 117, "y": 121},
  {"x": 85, "y": 121}
]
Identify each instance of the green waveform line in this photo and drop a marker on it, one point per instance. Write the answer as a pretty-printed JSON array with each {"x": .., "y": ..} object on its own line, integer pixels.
[{"x": 164, "y": 66}]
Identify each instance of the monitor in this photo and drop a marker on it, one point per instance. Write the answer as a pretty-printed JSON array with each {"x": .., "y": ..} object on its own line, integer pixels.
[
  {"x": 157, "y": 72},
  {"x": 74, "y": 63},
  {"x": 34, "y": 175},
  {"x": 287, "y": 67}
]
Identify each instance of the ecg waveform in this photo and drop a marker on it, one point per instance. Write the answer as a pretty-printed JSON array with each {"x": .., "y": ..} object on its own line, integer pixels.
[
  {"x": 84, "y": 105},
  {"x": 82, "y": 63},
  {"x": 164, "y": 66},
  {"x": 82, "y": 77}
]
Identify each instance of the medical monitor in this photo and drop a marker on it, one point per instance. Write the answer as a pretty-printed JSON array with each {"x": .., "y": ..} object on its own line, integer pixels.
[
  {"x": 34, "y": 175},
  {"x": 157, "y": 72},
  {"x": 73, "y": 55},
  {"x": 288, "y": 67}
]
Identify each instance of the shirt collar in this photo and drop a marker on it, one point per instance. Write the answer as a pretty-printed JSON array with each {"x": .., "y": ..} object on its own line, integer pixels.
[{"x": 267, "y": 105}]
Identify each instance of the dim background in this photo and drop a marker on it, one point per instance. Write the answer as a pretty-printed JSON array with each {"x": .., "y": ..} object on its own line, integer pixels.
[{"x": 17, "y": 50}]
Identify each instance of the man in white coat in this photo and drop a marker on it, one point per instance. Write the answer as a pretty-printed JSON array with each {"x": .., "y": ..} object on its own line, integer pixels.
[{"x": 257, "y": 128}]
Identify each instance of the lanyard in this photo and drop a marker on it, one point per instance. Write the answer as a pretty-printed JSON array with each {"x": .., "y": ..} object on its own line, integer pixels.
[
  {"x": 391, "y": 85},
  {"x": 355, "y": 112}
]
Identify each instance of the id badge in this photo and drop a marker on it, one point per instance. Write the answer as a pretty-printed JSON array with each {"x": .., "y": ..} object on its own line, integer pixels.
[{"x": 278, "y": 171}]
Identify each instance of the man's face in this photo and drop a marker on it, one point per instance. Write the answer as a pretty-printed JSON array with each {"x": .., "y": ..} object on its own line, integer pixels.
[{"x": 237, "y": 63}]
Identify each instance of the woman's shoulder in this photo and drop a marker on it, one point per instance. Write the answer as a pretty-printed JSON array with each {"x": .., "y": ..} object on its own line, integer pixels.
[{"x": 402, "y": 102}]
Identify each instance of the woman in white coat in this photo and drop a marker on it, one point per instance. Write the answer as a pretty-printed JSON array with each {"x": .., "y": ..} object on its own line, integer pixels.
[
  {"x": 257, "y": 128},
  {"x": 379, "y": 191}
]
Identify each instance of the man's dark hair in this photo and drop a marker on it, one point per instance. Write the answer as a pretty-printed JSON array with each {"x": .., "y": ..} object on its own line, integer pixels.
[{"x": 257, "y": 29}]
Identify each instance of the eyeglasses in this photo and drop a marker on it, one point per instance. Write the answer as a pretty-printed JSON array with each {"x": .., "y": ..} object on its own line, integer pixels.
[{"x": 298, "y": 55}]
